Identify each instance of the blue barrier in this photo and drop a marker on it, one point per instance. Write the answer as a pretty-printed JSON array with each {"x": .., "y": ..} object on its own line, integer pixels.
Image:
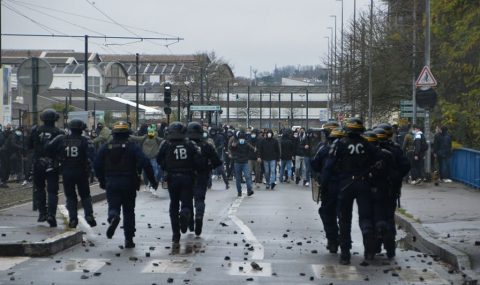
[{"x": 465, "y": 166}]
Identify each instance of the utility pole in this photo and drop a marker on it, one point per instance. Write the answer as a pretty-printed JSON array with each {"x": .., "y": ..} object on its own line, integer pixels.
[
  {"x": 341, "y": 79},
  {"x": 228, "y": 102},
  {"x": 414, "y": 63},
  {"x": 370, "y": 99},
  {"x": 137, "y": 119},
  {"x": 335, "y": 73},
  {"x": 354, "y": 50},
  {"x": 427, "y": 63},
  {"x": 86, "y": 72},
  {"x": 201, "y": 90},
  {"x": 248, "y": 106}
]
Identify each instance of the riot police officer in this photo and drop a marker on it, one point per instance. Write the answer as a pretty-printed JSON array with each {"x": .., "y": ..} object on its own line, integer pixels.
[
  {"x": 328, "y": 208},
  {"x": 402, "y": 167},
  {"x": 117, "y": 167},
  {"x": 211, "y": 161},
  {"x": 180, "y": 158},
  {"x": 45, "y": 169},
  {"x": 352, "y": 158},
  {"x": 75, "y": 153}
]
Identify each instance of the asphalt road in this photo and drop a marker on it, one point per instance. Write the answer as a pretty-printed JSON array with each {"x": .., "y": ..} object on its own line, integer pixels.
[{"x": 278, "y": 229}]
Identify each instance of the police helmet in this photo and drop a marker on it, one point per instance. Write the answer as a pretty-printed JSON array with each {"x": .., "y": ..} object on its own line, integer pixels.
[
  {"x": 177, "y": 131},
  {"x": 370, "y": 136},
  {"x": 330, "y": 126},
  {"x": 77, "y": 124},
  {"x": 49, "y": 115},
  {"x": 381, "y": 134},
  {"x": 121, "y": 127},
  {"x": 194, "y": 130},
  {"x": 337, "y": 133},
  {"x": 388, "y": 129},
  {"x": 354, "y": 126}
]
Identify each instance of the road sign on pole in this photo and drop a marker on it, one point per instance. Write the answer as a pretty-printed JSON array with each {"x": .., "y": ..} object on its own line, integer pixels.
[
  {"x": 426, "y": 79},
  {"x": 205, "y": 108}
]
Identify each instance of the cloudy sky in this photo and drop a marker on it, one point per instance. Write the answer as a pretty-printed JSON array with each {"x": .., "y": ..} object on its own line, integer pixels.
[{"x": 246, "y": 33}]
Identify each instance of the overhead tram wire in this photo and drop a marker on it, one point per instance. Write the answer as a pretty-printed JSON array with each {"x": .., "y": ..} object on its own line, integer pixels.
[
  {"x": 121, "y": 25},
  {"x": 42, "y": 26},
  {"x": 52, "y": 30},
  {"x": 90, "y": 18},
  {"x": 60, "y": 19}
]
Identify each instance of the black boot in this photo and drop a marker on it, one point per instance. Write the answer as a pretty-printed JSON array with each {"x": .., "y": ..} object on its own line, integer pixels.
[
  {"x": 52, "y": 221},
  {"x": 91, "y": 221},
  {"x": 198, "y": 226},
  {"x": 42, "y": 218},
  {"x": 345, "y": 257},
  {"x": 332, "y": 246},
  {"x": 73, "y": 223},
  {"x": 113, "y": 226},
  {"x": 129, "y": 242},
  {"x": 370, "y": 244},
  {"x": 184, "y": 222}
]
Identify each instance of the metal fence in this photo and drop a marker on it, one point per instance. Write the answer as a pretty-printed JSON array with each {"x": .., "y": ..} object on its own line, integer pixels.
[{"x": 465, "y": 166}]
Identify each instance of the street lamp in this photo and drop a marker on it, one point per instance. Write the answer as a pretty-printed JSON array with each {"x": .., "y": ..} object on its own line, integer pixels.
[
  {"x": 341, "y": 55},
  {"x": 335, "y": 56},
  {"x": 330, "y": 105}
]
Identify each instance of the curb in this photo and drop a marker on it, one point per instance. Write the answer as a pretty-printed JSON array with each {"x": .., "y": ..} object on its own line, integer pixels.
[
  {"x": 420, "y": 239},
  {"x": 48, "y": 247},
  {"x": 51, "y": 245}
]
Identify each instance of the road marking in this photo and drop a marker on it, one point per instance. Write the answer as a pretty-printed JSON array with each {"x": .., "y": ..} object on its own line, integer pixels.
[
  {"x": 168, "y": 266},
  {"x": 339, "y": 272},
  {"x": 428, "y": 276},
  {"x": 78, "y": 265},
  {"x": 258, "y": 252},
  {"x": 90, "y": 234},
  {"x": 244, "y": 269},
  {"x": 7, "y": 263}
]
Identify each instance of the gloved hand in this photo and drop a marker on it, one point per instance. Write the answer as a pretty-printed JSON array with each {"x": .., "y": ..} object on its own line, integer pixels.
[
  {"x": 102, "y": 183},
  {"x": 154, "y": 185}
]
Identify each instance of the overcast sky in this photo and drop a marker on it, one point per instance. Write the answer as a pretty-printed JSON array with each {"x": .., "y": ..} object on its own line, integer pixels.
[{"x": 256, "y": 33}]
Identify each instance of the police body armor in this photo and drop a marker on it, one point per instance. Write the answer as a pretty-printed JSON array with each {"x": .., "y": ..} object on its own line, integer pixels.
[
  {"x": 43, "y": 135},
  {"x": 75, "y": 155},
  {"x": 353, "y": 156},
  {"x": 119, "y": 161},
  {"x": 177, "y": 158}
]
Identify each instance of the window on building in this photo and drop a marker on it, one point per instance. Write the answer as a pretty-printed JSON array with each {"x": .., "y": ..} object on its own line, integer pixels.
[{"x": 94, "y": 84}]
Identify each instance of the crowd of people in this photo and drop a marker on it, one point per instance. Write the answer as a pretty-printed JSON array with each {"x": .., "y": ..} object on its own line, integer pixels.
[{"x": 346, "y": 161}]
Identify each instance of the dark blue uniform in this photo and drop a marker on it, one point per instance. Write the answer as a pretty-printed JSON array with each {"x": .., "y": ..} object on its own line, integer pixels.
[
  {"x": 387, "y": 205},
  {"x": 352, "y": 157},
  {"x": 211, "y": 161},
  {"x": 45, "y": 169},
  {"x": 329, "y": 197},
  {"x": 180, "y": 159},
  {"x": 75, "y": 153},
  {"x": 117, "y": 166}
]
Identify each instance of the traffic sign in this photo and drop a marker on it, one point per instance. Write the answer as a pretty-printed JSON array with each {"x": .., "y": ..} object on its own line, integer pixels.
[
  {"x": 406, "y": 110},
  {"x": 25, "y": 78},
  {"x": 205, "y": 108},
  {"x": 426, "y": 79}
]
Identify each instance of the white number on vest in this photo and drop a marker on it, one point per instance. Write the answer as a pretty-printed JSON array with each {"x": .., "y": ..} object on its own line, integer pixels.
[
  {"x": 71, "y": 151},
  {"x": 356, "y": 149},
  {"x": 180, "y": 153}
]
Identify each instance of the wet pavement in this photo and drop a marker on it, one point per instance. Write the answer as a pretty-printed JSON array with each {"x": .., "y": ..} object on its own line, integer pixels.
[
  {"x": 279, "y": 230},
  {"x": 450, "y": 213}
]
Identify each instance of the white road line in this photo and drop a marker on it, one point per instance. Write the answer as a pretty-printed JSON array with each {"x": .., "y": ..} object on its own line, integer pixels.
[
  {"x": 258, "y": 252},
  {"x": 85, "y": 226}
]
